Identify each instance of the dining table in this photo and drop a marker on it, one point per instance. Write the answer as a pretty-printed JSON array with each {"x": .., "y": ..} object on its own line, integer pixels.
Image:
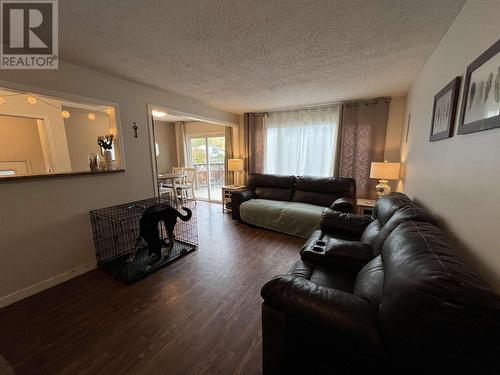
[{"x": 175, "y": 179}]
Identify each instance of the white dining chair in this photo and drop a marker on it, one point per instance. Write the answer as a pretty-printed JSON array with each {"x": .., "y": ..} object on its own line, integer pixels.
[
  {"x": 187, "y": 185},
  {"x": 178, "y": 181}
]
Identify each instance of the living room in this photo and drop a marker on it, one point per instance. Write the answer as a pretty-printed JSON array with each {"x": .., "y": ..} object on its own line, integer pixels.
[{"x": 314, "y": 99}]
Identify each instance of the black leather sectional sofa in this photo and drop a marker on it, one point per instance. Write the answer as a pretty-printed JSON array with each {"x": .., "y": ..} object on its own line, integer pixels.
[{"x": 386, "y": 294}]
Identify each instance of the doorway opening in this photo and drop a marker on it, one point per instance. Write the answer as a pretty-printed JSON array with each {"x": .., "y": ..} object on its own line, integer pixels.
[
  {"x": 183, "y": 145},
  {"x": 24, "y": 147}
]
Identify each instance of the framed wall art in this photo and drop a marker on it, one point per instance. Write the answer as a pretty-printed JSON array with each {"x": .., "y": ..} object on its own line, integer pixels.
[
  {"x": 481, "y": 96},
  {"x": 444, "y": 111}
]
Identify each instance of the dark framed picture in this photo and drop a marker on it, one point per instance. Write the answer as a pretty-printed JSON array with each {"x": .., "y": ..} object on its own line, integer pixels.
[
  {"x": 444, "y": 110},
  {"x": 481, "y": 97}
]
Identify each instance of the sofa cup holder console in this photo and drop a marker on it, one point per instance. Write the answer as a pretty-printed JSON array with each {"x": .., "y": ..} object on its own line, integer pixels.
[{"x": 319, "y": 246}]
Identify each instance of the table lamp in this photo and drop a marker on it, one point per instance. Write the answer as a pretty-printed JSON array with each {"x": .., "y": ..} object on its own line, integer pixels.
[
  {"x": 383, "y": 172},
  {"x": 235, "y": 165}
]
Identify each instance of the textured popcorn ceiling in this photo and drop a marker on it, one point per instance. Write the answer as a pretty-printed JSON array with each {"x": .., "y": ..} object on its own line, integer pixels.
[{"x": 258, "y": 54}]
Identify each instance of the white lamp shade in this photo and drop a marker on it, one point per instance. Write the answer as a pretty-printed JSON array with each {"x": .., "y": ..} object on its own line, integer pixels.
[
  {"x": 385, "y": 171},
  {"x": 235, "y": 165}
]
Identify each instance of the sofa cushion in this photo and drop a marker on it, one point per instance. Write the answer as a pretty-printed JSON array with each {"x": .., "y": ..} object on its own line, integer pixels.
[
  {"x": 271, "y": 180},
  {"x": 343, "y": 225},
  {"x": 408, "y": 212},
  {"x": 337, "y": 253},
  {"x": 272, "y": 193},
  {"x": 386, "y": 207},
  {"x": 371, "y": 232},
  {"x": 343, "y": 205},
  {"x": 337, "y": 279},
  {"x": 274, "y": 187},
  {"x": 429, "y": 292},
  {"x": 370, "y": 282},
  {"x": 295, "y": 218},
  {"x": 323, "y": 191}
]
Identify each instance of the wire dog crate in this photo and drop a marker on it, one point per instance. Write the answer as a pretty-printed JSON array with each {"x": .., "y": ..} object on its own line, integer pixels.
[{"x": 116, "y": 232}]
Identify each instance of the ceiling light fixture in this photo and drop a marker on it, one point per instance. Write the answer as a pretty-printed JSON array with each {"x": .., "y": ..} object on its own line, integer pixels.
[
  {"x": 110, "y": 111},
  {"x": 31, "y": 100},
  {"x": 91, "y": 116},
  {"x": 156, "y": 113},
  {"x": 65, "y": 114}
]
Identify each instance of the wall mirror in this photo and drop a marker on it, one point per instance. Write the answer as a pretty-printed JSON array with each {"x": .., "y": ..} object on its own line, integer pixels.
[{"x": 44, "y": 135}]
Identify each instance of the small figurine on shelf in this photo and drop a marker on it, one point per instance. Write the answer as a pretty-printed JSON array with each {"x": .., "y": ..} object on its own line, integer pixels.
[
  {"x": 106, "y": 144},
  {"x": 93, "y": 162}
]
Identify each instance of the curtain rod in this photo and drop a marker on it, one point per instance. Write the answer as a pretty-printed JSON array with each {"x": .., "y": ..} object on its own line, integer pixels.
[
  {"x": 283, "y": 109},
  {"x": 353, "y": 102},
  {"x": 367, "y": 101}
]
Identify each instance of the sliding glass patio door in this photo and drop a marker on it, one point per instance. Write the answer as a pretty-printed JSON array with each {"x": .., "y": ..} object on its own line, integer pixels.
[{"x": 207, "y": 157}]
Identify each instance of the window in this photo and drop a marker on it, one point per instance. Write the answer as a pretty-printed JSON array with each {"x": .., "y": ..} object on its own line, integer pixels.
[{"x": 301, "y": 142}]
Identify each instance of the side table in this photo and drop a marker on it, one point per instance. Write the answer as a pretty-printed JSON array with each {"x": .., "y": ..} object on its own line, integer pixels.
[
  {"x": 365, "y": 206},
  {"x": 227, "y": 191}
]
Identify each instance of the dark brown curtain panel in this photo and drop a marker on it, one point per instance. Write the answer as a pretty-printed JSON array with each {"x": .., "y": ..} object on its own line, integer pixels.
[
  {"x": 253, "y": 129},
  {"x": 362, "y": 141}
]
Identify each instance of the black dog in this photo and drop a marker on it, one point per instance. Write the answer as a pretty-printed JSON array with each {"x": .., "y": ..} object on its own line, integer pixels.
[{"x": 150, "y": 232}]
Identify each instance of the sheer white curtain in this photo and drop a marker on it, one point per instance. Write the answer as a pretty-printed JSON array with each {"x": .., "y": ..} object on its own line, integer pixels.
[{"x": 301, "y": 142}]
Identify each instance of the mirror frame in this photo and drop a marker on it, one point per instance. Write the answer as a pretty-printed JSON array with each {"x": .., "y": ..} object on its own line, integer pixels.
[{"x": 70, "y": 97}]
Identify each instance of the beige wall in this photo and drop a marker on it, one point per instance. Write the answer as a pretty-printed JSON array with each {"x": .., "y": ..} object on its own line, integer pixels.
[
  {"x": 52, "y": 122},
  {"x": 45, "y": 236},
  {"x": 458, "y": 179},
  {"x": 395, "y": 123},
  {"x": 194, "y": 129},
  {"x": 20, "y": 140},
  {"x": 165, "y": 138}
]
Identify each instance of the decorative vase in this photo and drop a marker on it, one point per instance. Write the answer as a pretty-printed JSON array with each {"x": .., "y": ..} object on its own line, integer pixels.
[
  {"x": 383, "y": 188},
  {"x": 108, "y": 159}
]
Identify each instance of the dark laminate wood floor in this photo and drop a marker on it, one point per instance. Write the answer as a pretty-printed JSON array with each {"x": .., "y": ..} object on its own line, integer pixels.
[{"x": 200, "y": 315}]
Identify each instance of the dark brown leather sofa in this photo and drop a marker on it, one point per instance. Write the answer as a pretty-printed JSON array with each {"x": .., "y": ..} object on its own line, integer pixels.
[
  {"x": 289, "y": 198},
  {"x": 386, "y": 294}
]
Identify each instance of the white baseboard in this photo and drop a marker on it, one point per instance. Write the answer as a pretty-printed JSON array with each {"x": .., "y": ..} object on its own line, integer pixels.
[{"x": 46, "y": 284}]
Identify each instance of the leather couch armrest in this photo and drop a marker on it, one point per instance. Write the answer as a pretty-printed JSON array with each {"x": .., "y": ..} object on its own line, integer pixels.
[
  {"x": 342, "y": 314},
  {"x": 237, "y": 198},
  {"x": 335, "y": 252},
  {"x": 315, "y": 236},
  {"x": 344, "y": 225},
  {"x": 343, "y": 204}
]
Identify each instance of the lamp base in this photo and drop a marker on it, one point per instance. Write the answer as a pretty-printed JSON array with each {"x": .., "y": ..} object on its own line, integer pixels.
[
  {"x": 382, "y": 188},
  {"x": 236, "y": 179}
]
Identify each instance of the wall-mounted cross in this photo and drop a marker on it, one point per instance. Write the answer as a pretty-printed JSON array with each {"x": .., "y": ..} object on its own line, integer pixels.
[{"x": 135, "y": 127}]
